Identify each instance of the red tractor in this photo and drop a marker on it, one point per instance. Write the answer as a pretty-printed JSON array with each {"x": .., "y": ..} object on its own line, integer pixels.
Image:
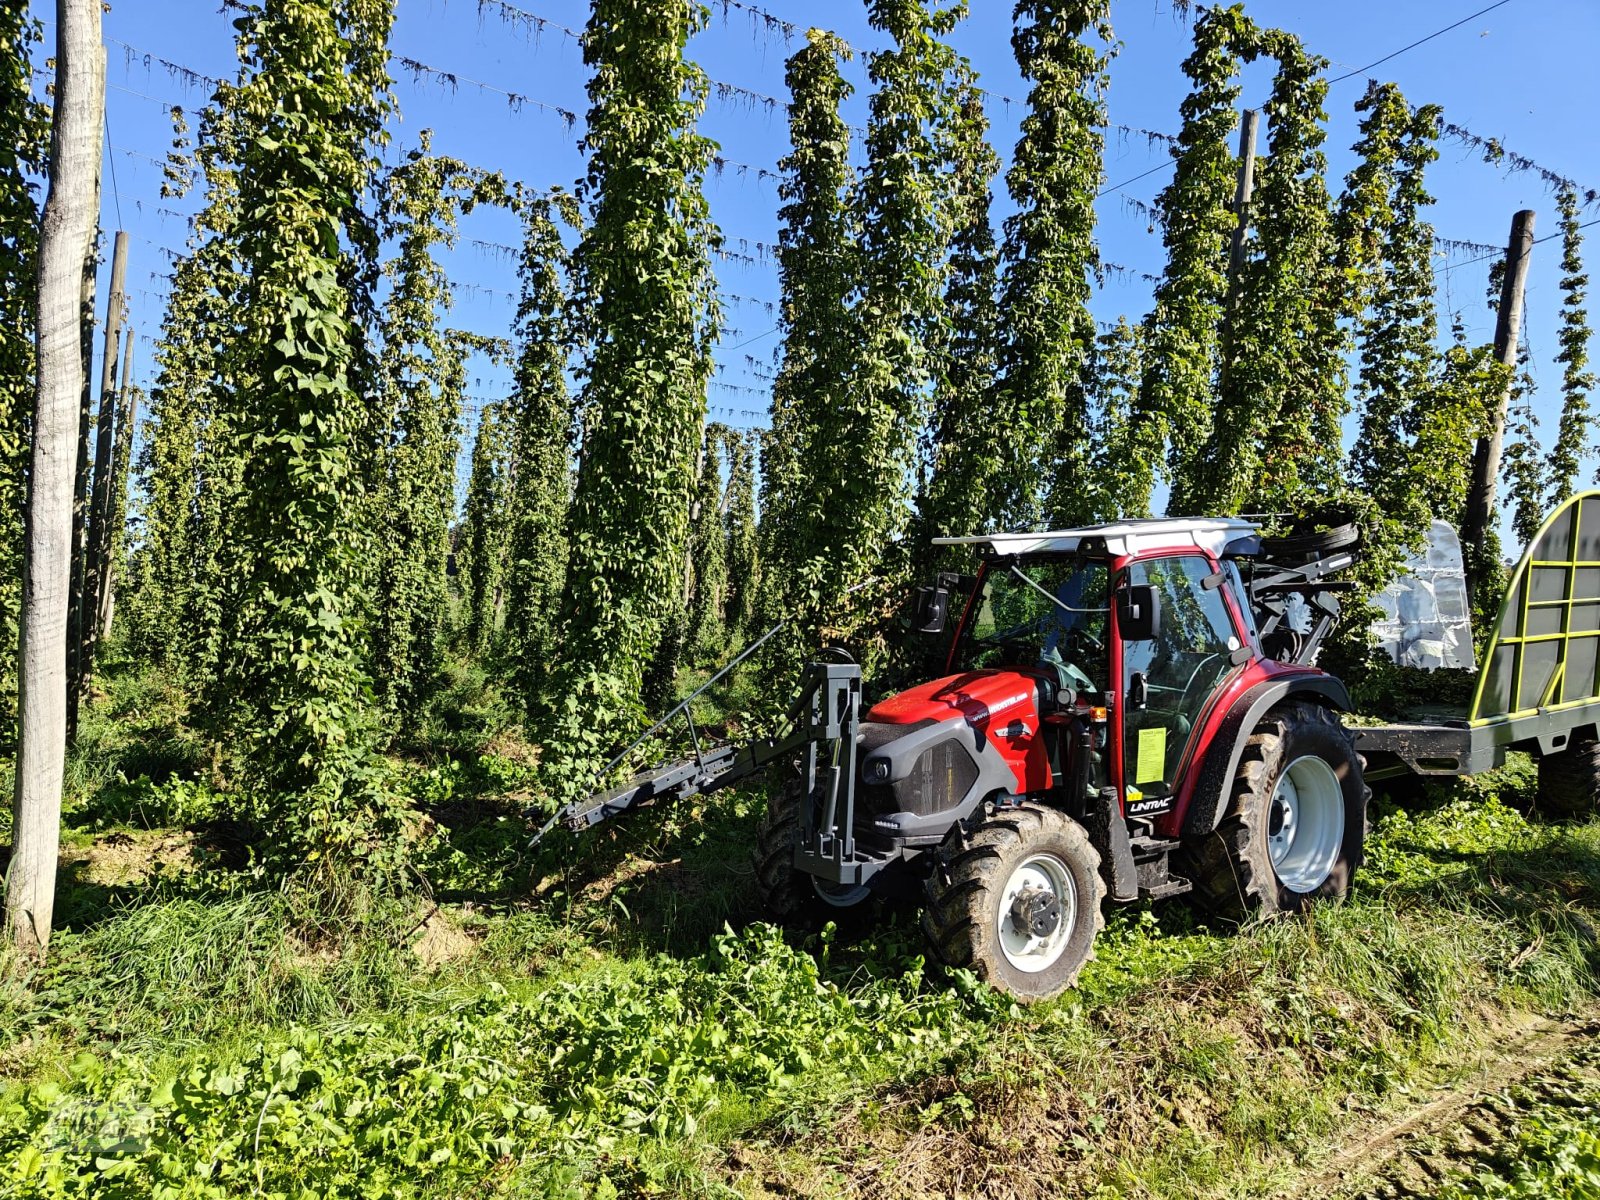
[
  {"x": 1130, "y": 710},
  {"x": 1123, "y": 711}
]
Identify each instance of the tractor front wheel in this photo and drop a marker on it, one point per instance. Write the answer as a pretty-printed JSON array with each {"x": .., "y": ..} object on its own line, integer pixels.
[
  {"x": 1017, "y": 899},
  {"x": 792, "y": 897},
  {"x": 1295, "y": 824}
]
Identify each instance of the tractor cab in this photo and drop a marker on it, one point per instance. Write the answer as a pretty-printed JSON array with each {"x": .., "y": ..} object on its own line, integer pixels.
[{"x": 1136, "y": 628}]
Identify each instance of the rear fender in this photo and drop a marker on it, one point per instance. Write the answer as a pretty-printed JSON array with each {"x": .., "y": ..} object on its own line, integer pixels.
[{"x": 1208, "y": 797}]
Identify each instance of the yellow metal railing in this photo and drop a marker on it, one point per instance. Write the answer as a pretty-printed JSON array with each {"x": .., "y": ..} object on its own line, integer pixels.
[{"x": 1545, "y": 653}]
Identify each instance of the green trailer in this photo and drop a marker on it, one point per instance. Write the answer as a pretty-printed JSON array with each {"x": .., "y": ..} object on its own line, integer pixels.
[{"x": 1538, "y": 685}]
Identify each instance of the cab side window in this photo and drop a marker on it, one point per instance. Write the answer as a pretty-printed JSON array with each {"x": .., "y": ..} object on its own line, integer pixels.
[{"x": 1177, "y": 671}]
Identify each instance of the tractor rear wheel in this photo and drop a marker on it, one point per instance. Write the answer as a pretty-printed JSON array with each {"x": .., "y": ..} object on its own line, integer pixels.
[
  {"x": 1569, "y": 782},
  {"x": 1017, "y": 899},
  {"x": 793, "y": 897},
  {"x": 1296, "y": 822}
]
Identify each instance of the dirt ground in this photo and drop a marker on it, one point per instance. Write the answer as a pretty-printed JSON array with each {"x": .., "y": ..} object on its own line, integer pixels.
[{"x": 1466, "y": 1122}]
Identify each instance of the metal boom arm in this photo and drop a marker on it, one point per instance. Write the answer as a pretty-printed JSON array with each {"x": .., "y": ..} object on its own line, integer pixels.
[{"x": 819, "y": 727}]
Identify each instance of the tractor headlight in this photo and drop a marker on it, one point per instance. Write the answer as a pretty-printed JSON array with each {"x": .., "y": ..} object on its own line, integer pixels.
[{"x": 877, "y": 770}]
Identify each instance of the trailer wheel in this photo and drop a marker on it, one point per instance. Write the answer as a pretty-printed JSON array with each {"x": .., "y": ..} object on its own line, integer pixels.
[
  {"x": 1569, "y": 782},
  {"x": 1295, "y": 825},
  {"x": 793, "y": 897},
  {"x": 1017, "y": 899}
]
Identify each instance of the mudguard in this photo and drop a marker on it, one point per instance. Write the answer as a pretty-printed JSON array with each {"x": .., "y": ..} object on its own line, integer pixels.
[{"x": 1206, "y": 802}]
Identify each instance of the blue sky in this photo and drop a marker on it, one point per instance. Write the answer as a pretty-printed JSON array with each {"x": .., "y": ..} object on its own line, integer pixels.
[{"x": 1523, "y": 73}]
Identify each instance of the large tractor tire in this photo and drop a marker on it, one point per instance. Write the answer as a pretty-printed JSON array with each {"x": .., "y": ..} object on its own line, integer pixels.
[
  {"x": 1569, "y": 782},
  {"x": 792, "y": 897},
  {"x": 1017, "y": 899},
  {"x": 1296, "y": 821}
]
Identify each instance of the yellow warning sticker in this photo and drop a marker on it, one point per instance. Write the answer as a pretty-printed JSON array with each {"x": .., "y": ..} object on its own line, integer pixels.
[{"x": 1151, "y": 763}]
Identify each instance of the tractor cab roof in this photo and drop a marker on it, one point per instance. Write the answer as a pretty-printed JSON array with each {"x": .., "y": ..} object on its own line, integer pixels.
[{"x": 1118, "y": 538}]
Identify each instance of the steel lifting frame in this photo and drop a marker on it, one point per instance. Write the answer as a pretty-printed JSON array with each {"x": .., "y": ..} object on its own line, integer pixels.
[{"x": 820, "y": 727}]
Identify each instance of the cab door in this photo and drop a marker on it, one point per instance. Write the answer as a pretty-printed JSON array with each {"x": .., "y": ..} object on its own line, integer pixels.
[{"x": 1167, "y": 680}]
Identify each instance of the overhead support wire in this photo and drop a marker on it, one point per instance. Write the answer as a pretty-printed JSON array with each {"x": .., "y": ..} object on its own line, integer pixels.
[
  {"x": 1493, "y": 150},
  {"x": 1412, "y": 46},
  {"x": 514, "y": 100},
  {"x": 1499, "y": 251}
]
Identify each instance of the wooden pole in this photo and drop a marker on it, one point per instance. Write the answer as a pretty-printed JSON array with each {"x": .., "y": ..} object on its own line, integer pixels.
[
  {"x": 76, "y": 129},
  {"x": 80, "y": 479},
  {"x": 121, "y": 464},
  {"x": 100, "y": 497},
  {"x": 1243, "y": 191},
  {"x": 1479, "y": 512}
]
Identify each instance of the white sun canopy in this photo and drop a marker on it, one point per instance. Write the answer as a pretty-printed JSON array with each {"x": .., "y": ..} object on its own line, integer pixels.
[{"x": 1121, "y": 537}]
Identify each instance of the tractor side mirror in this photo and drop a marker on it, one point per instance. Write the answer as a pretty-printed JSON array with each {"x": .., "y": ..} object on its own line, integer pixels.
[
  {"x": 931, "y": 610},
  {"x": 1138, "y": 613}
]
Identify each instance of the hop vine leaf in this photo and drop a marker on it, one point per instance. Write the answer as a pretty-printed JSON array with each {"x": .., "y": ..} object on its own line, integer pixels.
[
  {"x": 1577, "y": 381},
  {"x": 648, "y": 316},
  {"x": 1174, "y": 413},
  {"x": 309, "y": 106},
  {"x": 539, "y": 487},
  {"x": 966, "y": 448},
  {"x": 22, "y": 160},
  {"x": 817, "y": 257},
  {"x": 1049, "y": 252}
]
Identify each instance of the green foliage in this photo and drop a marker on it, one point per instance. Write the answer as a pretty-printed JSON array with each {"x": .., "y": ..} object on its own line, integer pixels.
[
  {"x": 189, "y": 474},
  {"x": 313, "y": 97},
  {"x": 1396, "y": 333},
  {"x": 1174, "y": 412},
  {"x": 1419, "y": 413},
  {"x": 1380, "y": 687},
  {"x": 739, "y": 532},
  {"x": 563, "y": 1078},
  {"x": 22, "y": 159},
  {"x": 1577, "y": 381},
  {"x": 649, "y": 316},
  {"x": 1112, "y": 387},
  {"x": 1049, "y": 251},
  {"x": 706, "y": 634},
  {"x": 1404, "y": 849},
  {"x": 1524, "y": 467},
  {"x": 966, "y": 447},
  {"x": 481, "y": 538},
  {"x": 1554, "y": 1156},
  {"x": 817, "y": 263},
  {"x": 169, "y": 589},
  {"x": 539, "y": 487},
  {"x": 854, "y": 466},
  {"x": 421, "y": 384},
  {"x": 1274, "y": 444}
]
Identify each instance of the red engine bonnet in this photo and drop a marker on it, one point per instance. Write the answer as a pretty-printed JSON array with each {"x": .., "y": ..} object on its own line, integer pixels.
[{"x": 1001, "y": 706}]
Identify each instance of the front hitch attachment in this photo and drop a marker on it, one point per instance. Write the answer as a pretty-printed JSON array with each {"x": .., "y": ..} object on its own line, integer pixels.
[{"x": 820, "y": 729}]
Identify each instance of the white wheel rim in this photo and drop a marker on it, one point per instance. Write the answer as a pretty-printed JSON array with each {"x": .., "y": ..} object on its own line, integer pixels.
[
  {"x": 1305, "y": 823},
  {"x": 838, "y": 895},
  {"x": 1023, "y": 949}
]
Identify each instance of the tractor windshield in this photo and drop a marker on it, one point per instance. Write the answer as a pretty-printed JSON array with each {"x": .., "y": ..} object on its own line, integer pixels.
[{"x": 1011, "y": 624}]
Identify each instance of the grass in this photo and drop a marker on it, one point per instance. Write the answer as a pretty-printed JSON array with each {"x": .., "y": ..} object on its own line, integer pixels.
[{"x": 597, "y": 1018}]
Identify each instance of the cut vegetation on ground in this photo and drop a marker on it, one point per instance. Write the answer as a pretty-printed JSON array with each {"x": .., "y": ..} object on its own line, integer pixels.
[{"x": 601, "y": 1019}]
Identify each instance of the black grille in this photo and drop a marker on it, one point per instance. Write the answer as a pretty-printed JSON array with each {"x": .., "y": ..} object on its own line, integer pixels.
[
  {"x": 943, "y": 774},
  {"x": 874, "y": 800}
]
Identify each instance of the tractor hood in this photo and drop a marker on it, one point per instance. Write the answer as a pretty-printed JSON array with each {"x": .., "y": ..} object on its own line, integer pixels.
[{"x": 984, "y": 698}]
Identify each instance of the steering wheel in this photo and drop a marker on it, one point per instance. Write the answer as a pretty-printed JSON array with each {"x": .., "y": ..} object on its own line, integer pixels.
[
  {"x": 1080, "y": 635},
  {"x": 1188, "y": 684},
  {"x": 1001, "y": 637},
  {"x": 1068, "y": 675}
]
